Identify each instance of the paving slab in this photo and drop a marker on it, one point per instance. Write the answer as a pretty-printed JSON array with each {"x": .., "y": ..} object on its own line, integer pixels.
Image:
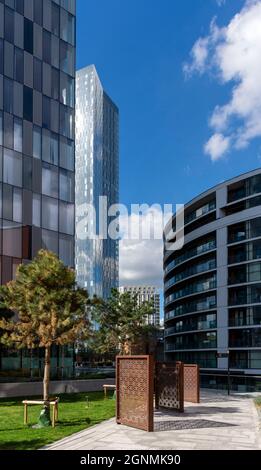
[{"x": 219, "y": 422}]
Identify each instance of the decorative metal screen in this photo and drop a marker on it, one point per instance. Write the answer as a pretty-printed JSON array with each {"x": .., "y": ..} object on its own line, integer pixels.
[
  {"x": 191, "y": 383},
  {"x": 134, "y": 391},
  {"x": 169, "y": 385}
]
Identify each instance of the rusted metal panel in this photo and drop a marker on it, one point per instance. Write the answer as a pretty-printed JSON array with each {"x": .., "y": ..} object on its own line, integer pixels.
[
  {"x": 134, "y": 391},
  {"x": 169, "y": 385},
  {"x": 191, "y": 383}
]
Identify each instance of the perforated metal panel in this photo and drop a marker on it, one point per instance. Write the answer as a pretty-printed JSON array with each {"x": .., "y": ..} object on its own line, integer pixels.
[
  {"x": 191, "y": 383},
  {"x": 169, "y": 385},
  {"x": 134, "y": 385}
]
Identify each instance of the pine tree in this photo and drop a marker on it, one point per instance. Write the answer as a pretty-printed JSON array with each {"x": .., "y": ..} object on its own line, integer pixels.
[
  {"x": 123, "y": 324},
  {"x": 48, "y": 309}
]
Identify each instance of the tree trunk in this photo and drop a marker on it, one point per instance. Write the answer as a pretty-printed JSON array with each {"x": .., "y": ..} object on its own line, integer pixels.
[{"x": 47, "y": 367}]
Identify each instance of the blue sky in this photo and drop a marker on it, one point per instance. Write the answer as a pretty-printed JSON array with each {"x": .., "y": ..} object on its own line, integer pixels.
[{"x": 139, "y": 48}]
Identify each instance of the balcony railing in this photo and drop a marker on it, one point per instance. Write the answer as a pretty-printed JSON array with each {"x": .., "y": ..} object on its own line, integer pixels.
[
  {"x": 211, "y": 245},
  {"x": 192, "y": 271},
  {"x": 207, "y": 325},
  {"x": 192, "y": 307},
  {"x": 193, "y": 289},
  {"x": 203, "y": 210},
  {"x": 190, "y": 346}
]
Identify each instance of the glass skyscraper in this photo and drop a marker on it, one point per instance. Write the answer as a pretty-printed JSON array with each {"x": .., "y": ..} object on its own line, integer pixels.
[
  {"x": 97, "y": 174},
  {"x": 37, "y": 108}
]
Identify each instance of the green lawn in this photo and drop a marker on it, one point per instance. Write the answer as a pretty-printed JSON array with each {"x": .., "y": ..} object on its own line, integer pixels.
[{"x": 74, "y": 415}]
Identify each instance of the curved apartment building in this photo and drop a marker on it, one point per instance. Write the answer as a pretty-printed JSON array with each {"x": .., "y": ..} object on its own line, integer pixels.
[{"x": 212, "y": 286}]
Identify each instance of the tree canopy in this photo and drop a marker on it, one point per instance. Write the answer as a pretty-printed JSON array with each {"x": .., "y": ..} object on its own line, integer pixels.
[
  {"x": 48, "y": 308},
  {"x": 122, "y": 322}
]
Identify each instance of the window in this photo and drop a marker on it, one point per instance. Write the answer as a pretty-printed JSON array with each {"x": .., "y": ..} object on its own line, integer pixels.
[
  {"x": 55, "y": 19},
  {"x": 12, "y": 168},
  {"x": 50, "y": 151},
  {"x": 68, "y": 5},
  {"x": 37, "y": 142},
  {"x": 8, "y": 202},
  {"x": 38, "y": 11},
  {"x": 47, "y": 46},
  {"x": 66, "y": 90},
  {"x": 67, "y": 27},
  {"x": 8, "y": 96},
  {"x": 28, "y": 36},
  {"x": 28, "y": 104},
  {"x": 1, "y": 56},
  {"x": 17, "y": 205},
  {"x": 36, "y": 210},
  {"x": 18, "y": 135},
  {"x": 37, "y": 75},
  {"x": 46, "y": 112},
  {"x": 50, "y": 241},
  {"x": 50, "y": 213},
  {"x": 9, "y": 25},
  {"x": 255, "y": 228},
  {"x": 1, "y": 128},
  {"x": 27, "y": 172},
  {"x": 66, "y": 186},
  {"x": 49, "y": 180},
  {"x": 9, "y": 131},
  {"x": 66, "y": 218},
  {"x": 67, "y": 154},
  {"x": 19, "y": 6},
  {"x": 255, "y": 185},
  {"x": 66, "y": 249},
  {"x": 66, "y": 122},
  {"x": 19, "y": 65},
  {"x": 55, "y": 84},
  {"x": 12, "y": 239},
  {"x": 54, "y": 149},
  {"x": 66, "y": 58}
]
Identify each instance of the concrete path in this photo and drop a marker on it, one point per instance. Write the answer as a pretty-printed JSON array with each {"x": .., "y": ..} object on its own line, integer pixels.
[{"x": 219, "y": 422}]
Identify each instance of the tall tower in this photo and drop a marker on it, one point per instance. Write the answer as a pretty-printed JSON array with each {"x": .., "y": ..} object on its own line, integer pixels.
[
  {"x": 97, "y": 174},
  {"x": 37, "y": 108},
  {"x": 37, "y": 76}
]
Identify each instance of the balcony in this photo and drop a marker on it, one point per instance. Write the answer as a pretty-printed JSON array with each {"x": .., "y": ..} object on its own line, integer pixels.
[
  {"x": 201, "y": 249},
  {"x": 192, "y": 289},
  {"x": 192, "y": 307},
  {"x": 191, "y": 271},
  {"x": 203, "y": 325}
]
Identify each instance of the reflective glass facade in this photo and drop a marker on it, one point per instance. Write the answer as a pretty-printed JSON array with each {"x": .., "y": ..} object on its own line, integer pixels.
[
  {"x": 212, "y": 286},
  {"x": 37, "y": 109},
  {"x": 37, "y": 75},
  {"x": 97, "y": 174}
]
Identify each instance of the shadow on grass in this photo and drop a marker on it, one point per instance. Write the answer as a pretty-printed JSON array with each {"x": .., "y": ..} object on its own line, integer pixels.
[
  {"x": 22, "y": 445},
  {"x": 74, "y": 422},
  {"x": 7, "y": 402},
  {"x": 71, "y": 398}
]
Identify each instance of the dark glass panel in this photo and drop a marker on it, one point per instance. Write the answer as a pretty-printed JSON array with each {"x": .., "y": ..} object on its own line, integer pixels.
[
  {"x": 28, "y": 36},
  {"x": 28, "y": 103}
]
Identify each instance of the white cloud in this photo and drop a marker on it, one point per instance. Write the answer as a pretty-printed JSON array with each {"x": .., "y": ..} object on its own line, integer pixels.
[
  {"x": 233, "y": 53},
  {"x": 217, "y": 146},
  {"x": 221, "y": 2},
  {"x": 199, "y": 55},
  {"x": 141, "y": 260}
]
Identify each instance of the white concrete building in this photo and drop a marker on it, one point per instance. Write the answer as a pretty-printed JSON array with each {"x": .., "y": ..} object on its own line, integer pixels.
[{"x": 146, "y": 293}]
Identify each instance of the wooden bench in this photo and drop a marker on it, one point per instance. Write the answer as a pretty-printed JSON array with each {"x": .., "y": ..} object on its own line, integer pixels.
[
  {"x": 53, "y": 402},
  {"x": 108, "y": 387}
]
